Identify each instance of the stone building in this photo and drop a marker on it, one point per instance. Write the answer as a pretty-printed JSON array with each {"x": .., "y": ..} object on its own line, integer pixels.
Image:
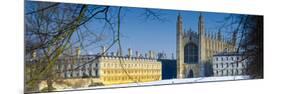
[
  {"x": 229, "y": 64},
  {"x": 112, "y": 69},
  {"x": 102, "y": 69},
  {"x": 128, "y": 69},
  {"x": 195, "y": 49}
]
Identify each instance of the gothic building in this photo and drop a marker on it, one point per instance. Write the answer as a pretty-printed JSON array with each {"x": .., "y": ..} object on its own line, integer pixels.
[{"x": 196, "y": 49}]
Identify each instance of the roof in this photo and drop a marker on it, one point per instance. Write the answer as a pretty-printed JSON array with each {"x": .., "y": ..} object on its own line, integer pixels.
[{"x": 228, "y": 54}]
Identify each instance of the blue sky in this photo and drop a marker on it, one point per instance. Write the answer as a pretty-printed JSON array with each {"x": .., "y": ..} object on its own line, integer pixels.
[
  {"x": 159, "y": 36},
  {"x": 143, "y": 34}
]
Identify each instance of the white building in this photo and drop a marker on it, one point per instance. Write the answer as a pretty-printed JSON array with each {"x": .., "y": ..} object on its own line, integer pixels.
[
  {"x": 73, "y": 67},
  {"x": 229, "y": 64}
]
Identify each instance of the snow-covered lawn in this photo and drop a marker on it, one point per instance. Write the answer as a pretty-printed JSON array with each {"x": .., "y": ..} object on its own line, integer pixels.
[{"x": 171, "y": 81}]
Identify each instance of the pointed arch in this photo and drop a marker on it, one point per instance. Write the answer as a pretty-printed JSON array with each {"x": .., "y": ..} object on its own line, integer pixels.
[
  {"x": 190, "y": 74},
  {"x": 191, "y": 53}
]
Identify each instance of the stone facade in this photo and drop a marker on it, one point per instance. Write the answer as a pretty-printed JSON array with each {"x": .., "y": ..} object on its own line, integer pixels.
[
  {"x": 78, "y": 67},
  {"x": 112, "y": 69},
  {"x": 195, "y": 49},
  {"x": 106, "y": 69},
  {"x": 118, "y": 70},
  {"x": 229, "y": 64}
]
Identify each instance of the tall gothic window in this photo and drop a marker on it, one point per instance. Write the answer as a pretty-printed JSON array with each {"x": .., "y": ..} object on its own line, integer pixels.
[{"x": 190, "y": 53}]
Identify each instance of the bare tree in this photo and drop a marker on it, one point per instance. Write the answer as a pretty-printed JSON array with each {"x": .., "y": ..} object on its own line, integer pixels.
[
  {"x": 53, "y": 30},
  {"x": 249, "y": 41}
]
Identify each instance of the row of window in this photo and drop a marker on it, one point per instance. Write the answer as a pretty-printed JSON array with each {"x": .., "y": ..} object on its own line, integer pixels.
[
  {"x": 131, "y": 65},
  {"x": 232, "y": 58},
  {"x": 140, "y": 58},
  {"x": 127, "y": 78},
  {"x": 229, "y": 72},
  {"x": 72, "y": 74},
  {"x": 131, "y": 71},
  {"x": 79, "y": 60},
  {"x": 230, "y": 65},
  {"x": 74, "y": 66}
]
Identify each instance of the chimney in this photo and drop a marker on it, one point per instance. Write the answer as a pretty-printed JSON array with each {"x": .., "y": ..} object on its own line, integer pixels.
[
  {"x": 153, "y": 55},
  {"x": 102, "y": 49},
  {"x": 137, "y": 54},
  {"x": 77, "y": 51},
  {"x": 130, "y": 52},
  {"x": 145, "y": 55},
  {"x": 150, "y": 54}
]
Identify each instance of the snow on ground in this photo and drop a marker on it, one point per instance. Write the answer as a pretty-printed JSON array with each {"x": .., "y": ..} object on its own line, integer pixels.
[{"x": 170, "y": 81}]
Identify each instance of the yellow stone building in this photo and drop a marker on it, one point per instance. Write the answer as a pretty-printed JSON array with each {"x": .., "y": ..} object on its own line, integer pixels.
[
  {"x": 119, "y": 70},
  {"x": 104, "y": 69},
  {"x": 112, "y": 69}
]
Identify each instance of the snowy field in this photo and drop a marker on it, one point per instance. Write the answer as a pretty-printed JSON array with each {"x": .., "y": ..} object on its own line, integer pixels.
[{"x": 168, "y": 82}]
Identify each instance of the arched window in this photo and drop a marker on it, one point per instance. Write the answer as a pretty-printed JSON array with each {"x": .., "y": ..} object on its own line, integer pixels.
[{"x": 190, "y": 53}]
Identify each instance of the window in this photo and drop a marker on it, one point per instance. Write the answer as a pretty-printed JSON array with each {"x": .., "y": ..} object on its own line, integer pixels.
[
  {"x": 191, "y": 53},
  {"x": 227, "y": 72},
  {"x": 217, "y": 72}
]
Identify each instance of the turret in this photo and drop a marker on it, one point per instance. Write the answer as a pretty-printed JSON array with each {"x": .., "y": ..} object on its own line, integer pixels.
[
  {"x": 234, "y": 37},
  {"x": 130, "y": 52},
  {"x": 219, "y": 35},
  {"x": 180, "y": 50},
  {"x": 202, "y": 50}
]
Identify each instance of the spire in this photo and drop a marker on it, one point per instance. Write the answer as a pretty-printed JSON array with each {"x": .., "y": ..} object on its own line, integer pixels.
[
  {"x": 234, "y": 37},
  {"x": 179, "y": 24},
  {"x": 213, "y": 36},
  {"x": 179, "y": 17},
  {"x": 179, "y": 27},
  {"x": 201, "y": 26},
  {"x": 202, "y": 50},
  {"x": 219, "y": 35},
  {"x": 179, "y": 47}
]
